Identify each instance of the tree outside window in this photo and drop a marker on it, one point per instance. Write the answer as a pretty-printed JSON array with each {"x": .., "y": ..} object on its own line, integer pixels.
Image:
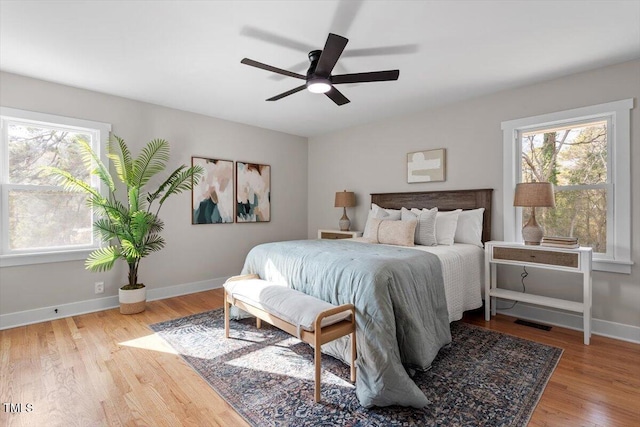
[
  {"x": 39, "y": 220},
  {"x": 574, "y": 158}
]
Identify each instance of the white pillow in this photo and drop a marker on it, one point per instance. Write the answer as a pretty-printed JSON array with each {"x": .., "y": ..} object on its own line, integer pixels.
[
  {"x": 469, "y": 229},
  {"x": 446, "y": 224},
  {"x": 393, "y": 214},
  {"x": 426, "y": 227},
  {"x": 380, "y": 213}
]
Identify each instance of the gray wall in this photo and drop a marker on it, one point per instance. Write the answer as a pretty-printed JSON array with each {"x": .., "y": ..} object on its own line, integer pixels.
[
  {"x": 372, "y": 158},
  {"x": 193, "y": 253}
]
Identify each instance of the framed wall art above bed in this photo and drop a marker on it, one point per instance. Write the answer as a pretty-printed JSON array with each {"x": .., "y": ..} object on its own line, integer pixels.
[{"x": 426, "y": 166}]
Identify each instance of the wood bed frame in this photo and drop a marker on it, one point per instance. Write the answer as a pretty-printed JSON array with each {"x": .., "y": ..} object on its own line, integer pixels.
[{"x": 443, "y": 200}]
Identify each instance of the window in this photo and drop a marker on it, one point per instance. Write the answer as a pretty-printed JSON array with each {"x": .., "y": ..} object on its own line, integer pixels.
[
  {"x": 585, "y": 154},
  {"x": 41, "y": 222}
]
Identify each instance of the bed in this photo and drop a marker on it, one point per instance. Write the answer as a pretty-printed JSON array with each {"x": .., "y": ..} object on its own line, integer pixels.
[{"x": 402, "y": 304}]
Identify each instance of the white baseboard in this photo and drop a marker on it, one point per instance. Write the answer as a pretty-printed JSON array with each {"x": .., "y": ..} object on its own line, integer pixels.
[
  {"x": 44, "y": 314},
  {"x": 604, "y": 328},
  {"x": 538, "y": 314}
]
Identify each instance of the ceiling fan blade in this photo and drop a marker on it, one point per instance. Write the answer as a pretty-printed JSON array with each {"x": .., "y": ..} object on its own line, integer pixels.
[
  {"x": 344, "y": 15},
  {"x": 287, "y": 93},
  {"x": 300, "y": 66},
  {"x": 401, "y": 49},
  {"x": 332, "y": 50},
  {"x": 337, "y": 96},
  {"x": 372, "y": 76},
  {"x": 257, "y": 64},
  {"x": 276, "y": 39}
]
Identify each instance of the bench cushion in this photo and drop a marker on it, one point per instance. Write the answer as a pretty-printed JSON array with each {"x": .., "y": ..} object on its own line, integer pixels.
[{"x": 286, "y": 303}]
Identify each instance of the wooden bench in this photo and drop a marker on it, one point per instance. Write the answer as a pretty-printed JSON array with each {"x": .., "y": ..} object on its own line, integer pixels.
[{"x": 312, "y": 320}]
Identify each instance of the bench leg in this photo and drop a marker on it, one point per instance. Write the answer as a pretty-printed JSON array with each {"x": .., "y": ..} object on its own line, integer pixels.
[
  {"x": 353, "y": 356},
  {"x": 258, "y": 323},
  {"x": 317, "y": 361},
  {"x": 226, "y": 316}
]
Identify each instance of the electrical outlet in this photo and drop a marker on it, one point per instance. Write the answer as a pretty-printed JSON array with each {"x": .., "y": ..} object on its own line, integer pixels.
[{"x": 99, "y": 287}]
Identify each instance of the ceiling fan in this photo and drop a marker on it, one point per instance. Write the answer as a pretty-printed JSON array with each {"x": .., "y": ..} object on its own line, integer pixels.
[{"x": 319, "y": 78}]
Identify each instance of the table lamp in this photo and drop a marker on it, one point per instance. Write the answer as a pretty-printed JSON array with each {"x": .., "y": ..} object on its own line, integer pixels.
[
  {"x": 345, "y": 199},
  {"x": 533, "y": 195}
]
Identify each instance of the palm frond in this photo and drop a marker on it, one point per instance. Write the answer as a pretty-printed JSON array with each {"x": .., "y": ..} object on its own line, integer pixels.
[
  {"x": 152, "y": 159},
  {"x": 122, "y": 160},
  {"x": 184, "y": 180},
  {"x": 156, "y": 226},
  {"x": 141, "y": 221},
  {"x": 153, "y": 196},
  {"x": 95, "y": 165},
  {"x": 130, "y": 250},
  {"x": 105, "y": 229},
  {"x": 133, "y": 196},
  {"x": 71, "y": 183},
  {"x": 102, "y": 259},
  {"x": 153, "y": 243}
]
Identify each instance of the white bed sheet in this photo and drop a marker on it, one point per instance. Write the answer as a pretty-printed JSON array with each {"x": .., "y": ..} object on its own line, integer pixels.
[{"x": 463, "y": 274}]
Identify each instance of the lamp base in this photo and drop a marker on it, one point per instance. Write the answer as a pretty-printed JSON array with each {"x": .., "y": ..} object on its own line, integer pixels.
[
  {"x": 344, "y": 223},
  {"x": 532, "y": 232}
]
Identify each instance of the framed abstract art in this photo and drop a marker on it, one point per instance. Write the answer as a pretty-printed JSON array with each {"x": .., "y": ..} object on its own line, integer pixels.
[
  {"x": 213, "y": 196},
  {"x": 253, "y": 192},
  {"x": 426, "y": 166}
]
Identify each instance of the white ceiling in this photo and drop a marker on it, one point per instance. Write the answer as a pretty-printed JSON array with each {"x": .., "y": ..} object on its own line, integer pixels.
[{"x": 186, "y": 54}]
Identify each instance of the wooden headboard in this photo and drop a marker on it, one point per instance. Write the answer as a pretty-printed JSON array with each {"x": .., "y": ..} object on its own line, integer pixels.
[{"x": 444, "y": 200}]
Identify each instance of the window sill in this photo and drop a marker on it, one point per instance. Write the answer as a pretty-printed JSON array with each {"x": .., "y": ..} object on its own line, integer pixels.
[
  {"x": 610, "y": 266},
  {"x": 44, "y": 257}
]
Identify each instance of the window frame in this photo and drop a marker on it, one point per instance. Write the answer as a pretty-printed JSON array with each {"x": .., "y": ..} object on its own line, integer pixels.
[
  {"x": 618, "y": 115},
  {"x": 100, "y": 134}
]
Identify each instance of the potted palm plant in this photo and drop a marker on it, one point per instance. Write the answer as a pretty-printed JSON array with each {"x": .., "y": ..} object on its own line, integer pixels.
[{"x": 130, "y": 224}]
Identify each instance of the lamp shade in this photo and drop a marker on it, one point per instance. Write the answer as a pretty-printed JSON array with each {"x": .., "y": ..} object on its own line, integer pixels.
[
  {"x": 345, "y": 199},
  {"x": 534, "y": 194}
]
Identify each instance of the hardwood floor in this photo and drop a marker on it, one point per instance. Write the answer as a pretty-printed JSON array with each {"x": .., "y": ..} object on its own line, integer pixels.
[{"x": 105, "y": 368}]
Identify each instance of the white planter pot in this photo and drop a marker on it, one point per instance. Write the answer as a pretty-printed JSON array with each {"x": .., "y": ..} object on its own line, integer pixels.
[{"x": 132, "y": 301}]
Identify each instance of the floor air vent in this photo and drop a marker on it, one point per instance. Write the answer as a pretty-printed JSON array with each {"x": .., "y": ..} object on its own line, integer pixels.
[{"x": 533, "y": 325}]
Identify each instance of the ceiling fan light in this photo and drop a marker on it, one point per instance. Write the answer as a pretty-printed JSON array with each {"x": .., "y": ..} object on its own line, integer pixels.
[{"x": 319, "y": 85}]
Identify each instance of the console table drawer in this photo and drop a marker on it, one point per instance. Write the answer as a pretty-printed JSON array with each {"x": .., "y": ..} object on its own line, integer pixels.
[{"x": 563, "y": 259}]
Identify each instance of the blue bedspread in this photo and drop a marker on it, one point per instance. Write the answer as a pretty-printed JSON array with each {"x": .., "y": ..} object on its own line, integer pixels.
[{"x": 402, "y": 319}]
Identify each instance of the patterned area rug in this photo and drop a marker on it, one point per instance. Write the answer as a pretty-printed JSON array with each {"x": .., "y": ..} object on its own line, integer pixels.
[{"x": 484, "y": 378}]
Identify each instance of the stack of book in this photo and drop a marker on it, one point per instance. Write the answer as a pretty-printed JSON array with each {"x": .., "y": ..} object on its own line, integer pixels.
[{"x": 560, "y": 242}]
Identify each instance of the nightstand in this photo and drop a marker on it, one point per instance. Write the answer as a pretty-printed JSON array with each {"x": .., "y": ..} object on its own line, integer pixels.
[
  {"x": 337, "y": 234},
  {"x": 559, "y": 259}
]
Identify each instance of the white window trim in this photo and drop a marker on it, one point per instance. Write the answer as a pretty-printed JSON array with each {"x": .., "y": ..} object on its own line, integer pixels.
[
  {"x": 49, "y": 255},
  {"x": 619, "y": 112}
]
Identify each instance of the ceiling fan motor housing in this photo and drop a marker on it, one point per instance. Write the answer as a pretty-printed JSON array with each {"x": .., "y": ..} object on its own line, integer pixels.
[{"x": 315, "y": 83}]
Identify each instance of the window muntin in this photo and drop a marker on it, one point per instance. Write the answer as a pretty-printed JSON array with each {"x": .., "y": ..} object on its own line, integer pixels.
[{"x": 37, "y": 215}]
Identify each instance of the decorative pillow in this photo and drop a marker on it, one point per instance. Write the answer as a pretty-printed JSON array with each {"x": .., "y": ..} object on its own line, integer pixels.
[
  {"x": 394, "y": 214},
  {"x": 390, "y": 232},
  {"x": 426, "y": 227},
  {"x": 371, "y": 230},
  {"x": 446, "y": 224},
  {"x": 469, "y": 229},
  {"x": 378, "y": 212}
]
